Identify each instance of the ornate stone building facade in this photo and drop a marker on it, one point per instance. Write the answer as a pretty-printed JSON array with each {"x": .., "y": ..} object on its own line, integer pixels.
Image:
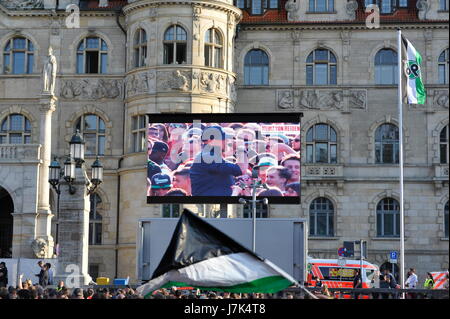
[{"x": 119, "y": 60}]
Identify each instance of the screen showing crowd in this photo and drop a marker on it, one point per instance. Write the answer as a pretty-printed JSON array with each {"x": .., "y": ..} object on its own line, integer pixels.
[{"x": 223, "y": 159}]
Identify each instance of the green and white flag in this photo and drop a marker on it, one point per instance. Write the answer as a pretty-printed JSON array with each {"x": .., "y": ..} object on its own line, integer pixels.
[
  {"x": 201, "y": 256},
  {"x": 415, "y": 89}
]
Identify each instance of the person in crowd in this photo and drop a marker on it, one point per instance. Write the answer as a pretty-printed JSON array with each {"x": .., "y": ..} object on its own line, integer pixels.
[
  {"x": 43, "y": 274},
  {"x": 292, "y": 163},
  {"x": 277, "y": 176},
  {"x": 3, "y": 275},
  {"x": 211, "y": 174},
  {"x": 429, "y": 281},
  {"x": 272, "y": 191},
  {"x": 153, "y": 133},
  {"x": 161, "y": 184},
  {"x": 292, "y": 189},
  {"x": 50, "y": 273},
  {"x": 60, "y": 286},
  {"x": 264, "y": 163},
  {"x": 78, "y": 293},
  {"x": 296, "y": 143},
  {"x": 181, "y": 179},
  {"x": 411, "y": 282},
  {"x": 152, "y": 167},
  {"x": 163, "y": 135},
  {"x": 279, "y": 149},
  {"x": 189, "y": 149},
  {"x": 176, "y": 192}
]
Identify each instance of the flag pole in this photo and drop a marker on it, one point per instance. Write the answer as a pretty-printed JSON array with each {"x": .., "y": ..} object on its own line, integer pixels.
[{"x": 400, "y": 120}]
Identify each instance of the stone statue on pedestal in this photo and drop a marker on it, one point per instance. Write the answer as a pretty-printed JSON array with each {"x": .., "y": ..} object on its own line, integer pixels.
[{"x": 49, "y": 73}]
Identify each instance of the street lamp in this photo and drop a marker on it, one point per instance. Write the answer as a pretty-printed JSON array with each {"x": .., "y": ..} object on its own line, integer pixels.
[
  {"x": 77, "y": 148},
  {"x": 73, "y": 161}
]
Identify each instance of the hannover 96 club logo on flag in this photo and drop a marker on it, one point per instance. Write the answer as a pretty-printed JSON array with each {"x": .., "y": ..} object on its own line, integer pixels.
[{"x": 415, "y": 89}]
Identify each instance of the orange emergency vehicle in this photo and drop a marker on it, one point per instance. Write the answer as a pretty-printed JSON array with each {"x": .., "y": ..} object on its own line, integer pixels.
[{"x": 337, "y": 274}]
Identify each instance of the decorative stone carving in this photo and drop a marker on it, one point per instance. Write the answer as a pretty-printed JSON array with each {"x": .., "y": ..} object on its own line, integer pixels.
[
  {"x": 292, "y": 8},
  {"x": 173, "y": 80},
  {"x": 23, "y": 4},
  {"x": 423, "y": 6},
  {"x": 90, "y": 89},
  {"x": 350, "y": 8},
  {"x": 315, "y": 99},
  {"x": 285, "y": 99},
  {"x": 207, "y": 82},
  {"x": 358, "y": 99},
  {"x": 232, "y": 89},
  {"x": 440, "y": 98},
  {"x": 40, "y": 247},
  {"x": 136, "y": 84},
  {"x": 49, "y": 73}
]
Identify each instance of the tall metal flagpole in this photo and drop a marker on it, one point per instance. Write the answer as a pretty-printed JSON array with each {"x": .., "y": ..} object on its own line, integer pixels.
[{"x": 400, "y": 121}]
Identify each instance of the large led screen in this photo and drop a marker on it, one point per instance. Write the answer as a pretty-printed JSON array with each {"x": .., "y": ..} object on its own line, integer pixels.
[{"x": 217, "y": 158}]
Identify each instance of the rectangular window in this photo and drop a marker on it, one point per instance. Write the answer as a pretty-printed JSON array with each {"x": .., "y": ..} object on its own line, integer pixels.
[
  {"x": 321, "y": 5},
  {"x": 6, "y": 64},
  {"x": 273, "y": 4},
  {"x": 19, "y": 62},
  {"x": 388, "y": 153},
  {"x": 262, "y": 211},
  {"x": 171, "y": 210},
  {"x": 30, "y": 62},
  {"x": 92, "y": 62},
  {"x": 403, "y": 3},
  {"x": 181, "y": 53},
  {"x": 101, "y": 145},
  {"x": 168, "y": 53},
  {"x": 240, "y": 4},
  {"x": 321, "y": 153},
  {"x": 333, "y": 154},
  {"x": 443, "y": 5},
  {"x": 386, "y": 6},
  {"x": 90, "y": 140},
  {"x": 257, "y": 7},
  {"x": 15, "y": 139},
  {"x": 104, "y": 63},
  {"x": 443, "y": 150},
  {"x": 309, "y": 75},
  {"x": 442, "y": 74},
  {"x": 80, "y": 63},
  {"x": 309, "y": 154},
  {"x": 321, "y": 76}
]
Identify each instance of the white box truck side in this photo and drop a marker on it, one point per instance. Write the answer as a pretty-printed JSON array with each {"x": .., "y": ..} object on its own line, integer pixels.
[{"x": 283, "y": 241}]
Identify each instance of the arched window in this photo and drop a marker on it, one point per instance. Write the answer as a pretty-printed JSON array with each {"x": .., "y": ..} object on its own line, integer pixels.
[
  {"x": 175, "y": 42},
  {"x": 18, "y": 56},
  {"x": 140, "y": 48},
  {"x": 321, "y": 68},
  {"x": 321, "y": 144},
  {"x": 443, "y": 145},
  {"x": 95, "y": 221},
  {"x": 15, "y": 129},
  {"x": 443, "y": 64},
  {"x": 386, "y": 68},
  {"x": 387, "y": 144},
  {"x": 256, "y": 68},
  {"x": 92, "y": 127},
  {"x": 92, "y": 56},
  {"x": 446, "y": 220},
  {"x": 321, "y": 218},
  {"x": 388, "y": 218},
  {"x": 213, "y": 49}
]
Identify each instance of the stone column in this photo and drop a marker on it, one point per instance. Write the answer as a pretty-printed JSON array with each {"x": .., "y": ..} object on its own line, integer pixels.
[
  {"x": 74, "y": 232},
  {"x": 44, "y": 215}
]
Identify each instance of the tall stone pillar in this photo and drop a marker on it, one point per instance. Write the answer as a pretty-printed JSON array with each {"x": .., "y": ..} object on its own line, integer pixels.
[
  {"x": 73, "y": 232},
  {"x": 44, "y": 215}
]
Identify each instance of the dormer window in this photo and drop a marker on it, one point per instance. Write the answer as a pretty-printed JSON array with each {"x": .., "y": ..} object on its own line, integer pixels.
[
  {"x": 257, "y": 7},
  {"x": 321, "y": 5},
  {"x": 387, "y": 6}
]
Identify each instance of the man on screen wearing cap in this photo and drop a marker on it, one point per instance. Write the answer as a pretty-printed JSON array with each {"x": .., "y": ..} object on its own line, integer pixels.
[
  {"x": 264, "y": 164},
  {"x": 211, "y": 174},
  {"x": 161, "y": 184}
]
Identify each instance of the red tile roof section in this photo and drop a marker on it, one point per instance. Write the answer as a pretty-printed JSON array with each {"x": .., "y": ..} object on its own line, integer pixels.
[{"x": 279, "y": 16}]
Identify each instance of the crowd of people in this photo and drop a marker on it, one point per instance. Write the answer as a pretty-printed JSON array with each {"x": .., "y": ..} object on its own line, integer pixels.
[{"x": 219, "y": 159}]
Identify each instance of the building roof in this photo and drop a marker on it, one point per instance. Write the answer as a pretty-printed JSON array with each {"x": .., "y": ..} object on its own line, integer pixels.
[{"x": 280, "y": 15}]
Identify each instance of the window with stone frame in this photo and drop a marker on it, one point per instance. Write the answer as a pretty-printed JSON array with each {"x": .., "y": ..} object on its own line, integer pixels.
[
  {"x": 15, "y": 129},
  {"x": 92, "y": 56},
  {"x": 387, "y": 144},
  {"x": 138, "y": 133},
  {"x": 175, "y": 45},
  {"x": 321, "y": 68},
  {"x": 321, "y": 144},
  {"x": 95, "y": 221},
  {"x": 388, "y": 218},
  {"x": 171, "y": 210},
  {"x": 262, "y": 211},
  {"x": 321, "y": 218},
  {"x": 387, "y": 6},
  {"x": 140, "y": 48},
  {"x": 443, "y": 67},
  {"x": 257, "y": 7},
  {"x": 443, "y": 145},
  {"x": 18, "y": 56},
  {"x": 321, "y": 6},
  {"x": 386, "y": 67},
  {"x": 446, "y": 220},
  {"x": 92, "y": 128},
  {"x": 443, "y": 5},
  {"x": 256, "y": 68},
  {"x": 213, "y": 49}
]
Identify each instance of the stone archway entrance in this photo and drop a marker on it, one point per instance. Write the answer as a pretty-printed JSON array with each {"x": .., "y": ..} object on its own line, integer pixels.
[{"x": 6, "y": 223}]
